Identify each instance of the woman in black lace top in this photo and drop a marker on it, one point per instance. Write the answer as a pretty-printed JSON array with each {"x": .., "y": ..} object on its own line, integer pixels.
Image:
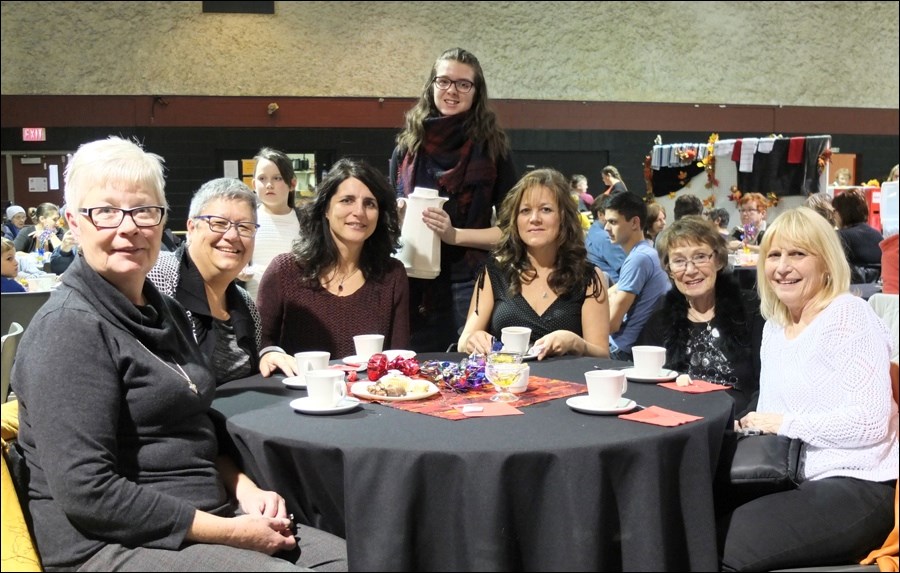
[
  {"x": 539, "y": 276},
  {"x": 711, "y": 329}
]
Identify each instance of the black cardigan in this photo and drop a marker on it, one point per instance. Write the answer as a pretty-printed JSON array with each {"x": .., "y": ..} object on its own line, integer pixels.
[{"x": 738, "y": 321}]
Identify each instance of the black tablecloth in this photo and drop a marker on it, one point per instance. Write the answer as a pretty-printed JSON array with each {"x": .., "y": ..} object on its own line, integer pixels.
[{"x": 550, "y": 490}]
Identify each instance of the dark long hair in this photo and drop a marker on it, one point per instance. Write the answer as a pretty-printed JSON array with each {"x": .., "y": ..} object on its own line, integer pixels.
[
  {"x": 572, "y": 271},
  {"x": 481, "y": 124},
  {"x": 315, "y": 249},
  {"x": 285, "y": 168}
]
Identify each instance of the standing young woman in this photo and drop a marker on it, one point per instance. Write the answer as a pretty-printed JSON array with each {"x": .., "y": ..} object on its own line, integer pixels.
[
  {"x": 452, "y": 143},
  {"x": 279, "y": 224},
  {"x": 612, "y": 180}
]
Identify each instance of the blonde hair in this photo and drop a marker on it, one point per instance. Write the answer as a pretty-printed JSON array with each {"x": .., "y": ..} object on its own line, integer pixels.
[
  {"x": 809, "y": 231},
  {"x": 7, "y": 246}
]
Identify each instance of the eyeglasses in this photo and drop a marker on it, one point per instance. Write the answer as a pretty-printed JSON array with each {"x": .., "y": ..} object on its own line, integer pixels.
[
  {"x": 463, "y": 86},
  {"x": 698, "y": 260},
  {"x": 743, "y": 211},
  {"x": 221, "y": 225},
  {"x": 112, "y": 217}
]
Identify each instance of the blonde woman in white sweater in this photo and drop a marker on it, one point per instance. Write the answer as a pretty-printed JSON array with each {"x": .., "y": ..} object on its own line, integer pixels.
[
  {"x": 274, "y": 181},
  {"x": 824, "y": 379}
]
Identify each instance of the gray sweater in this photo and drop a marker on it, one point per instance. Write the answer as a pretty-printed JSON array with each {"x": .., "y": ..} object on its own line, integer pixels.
[{"x": 118, "y": 445}]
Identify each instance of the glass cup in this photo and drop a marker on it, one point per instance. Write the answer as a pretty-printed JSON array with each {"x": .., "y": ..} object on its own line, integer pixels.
[{"x": 503, "y": 369}]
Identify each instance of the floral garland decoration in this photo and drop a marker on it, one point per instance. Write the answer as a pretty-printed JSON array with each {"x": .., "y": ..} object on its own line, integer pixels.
[
  {"x": 648, "y": 179},
  {"x": 773, "y": 199},
  {"x": 735, "y": 194},
  {"x": 708, "y": 163},
  {"x": 824, "y": 159},
  {"x": 710, "y": 201}
]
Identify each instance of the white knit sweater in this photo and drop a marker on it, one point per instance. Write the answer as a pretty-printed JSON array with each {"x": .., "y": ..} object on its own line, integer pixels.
[
  {"x": 832, "y": 384},
  {"x": 275, "y": 236}
]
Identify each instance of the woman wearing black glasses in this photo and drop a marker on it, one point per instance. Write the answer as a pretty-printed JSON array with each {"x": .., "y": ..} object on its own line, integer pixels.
[
  {"x": 125, "y": 469},
  {"x": 711, "y": 329},
  {"x": 452, "y": 143},
  {"x": 200, "y": 274}
]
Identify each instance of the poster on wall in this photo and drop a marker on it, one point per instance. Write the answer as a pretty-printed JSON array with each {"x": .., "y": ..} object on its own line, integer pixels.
[{"x": 37, "y": 184}]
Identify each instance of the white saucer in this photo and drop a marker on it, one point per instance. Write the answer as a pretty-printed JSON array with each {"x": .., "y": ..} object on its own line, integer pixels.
[
  {"x": 667, "y": 375},
  {"x": 354, "y": 359},
  {"x": 404, "y": 354},
  {"x": 531, "y": 353},
  {"x": 298, "y": 381},
  {"x": 305, "y": 406},
  {"x": 583, "y": 404}
]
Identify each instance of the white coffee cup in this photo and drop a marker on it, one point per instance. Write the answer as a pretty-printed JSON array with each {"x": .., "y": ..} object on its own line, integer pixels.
[
  {"x": 367, "y": 344},
  {"x": 311, "y": 360},
  {"x": 521, "y": 384},
  {"x": 605, "y": 387},
  {"x": 515, "y": 338},
  {"x": 648, "y": 360},
  {"x": 326, "y": 388}
]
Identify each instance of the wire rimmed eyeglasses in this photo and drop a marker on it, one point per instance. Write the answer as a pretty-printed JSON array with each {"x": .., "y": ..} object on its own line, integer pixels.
[
  {"x": 698, "y": 260},
  {"x": 462, "y": 86},
  {"x": 112, "y": 217},
  {"x": 221, "y": 225}
]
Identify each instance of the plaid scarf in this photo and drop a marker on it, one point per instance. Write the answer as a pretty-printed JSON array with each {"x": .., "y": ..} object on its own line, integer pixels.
[{"x": 458, "y": 165}]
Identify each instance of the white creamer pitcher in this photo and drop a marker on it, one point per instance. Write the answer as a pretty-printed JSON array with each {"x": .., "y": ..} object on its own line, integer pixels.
[{"x": 420, "y": 247}]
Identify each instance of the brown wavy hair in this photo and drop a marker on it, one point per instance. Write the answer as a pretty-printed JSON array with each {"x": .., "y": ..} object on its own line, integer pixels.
[{"x": 572, "y": 273}]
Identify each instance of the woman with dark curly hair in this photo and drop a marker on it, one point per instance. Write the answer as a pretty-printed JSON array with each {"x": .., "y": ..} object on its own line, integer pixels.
[
  {"x": 710, "y": 327},
  {"x": 452, "y": 142},
  {"x": 539, "y": 276},
  {"x": 340, "y": 278}
]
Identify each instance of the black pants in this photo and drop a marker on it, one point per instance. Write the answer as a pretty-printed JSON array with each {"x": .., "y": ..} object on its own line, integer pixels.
[{"x": 824, "y": 522}]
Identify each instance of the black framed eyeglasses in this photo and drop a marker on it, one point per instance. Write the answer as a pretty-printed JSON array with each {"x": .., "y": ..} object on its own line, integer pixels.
[
  {"x": 112, "y": 217},
  {"x": 463, "y": 86},
  {"x": 221, "y": 225}
]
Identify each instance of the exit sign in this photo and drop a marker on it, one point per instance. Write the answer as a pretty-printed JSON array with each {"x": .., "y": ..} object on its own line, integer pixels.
[{"x": 34, "y": 134}]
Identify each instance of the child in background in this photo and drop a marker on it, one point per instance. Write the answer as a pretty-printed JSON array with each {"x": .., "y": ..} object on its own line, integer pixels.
[{"x": 9, "y": 268}]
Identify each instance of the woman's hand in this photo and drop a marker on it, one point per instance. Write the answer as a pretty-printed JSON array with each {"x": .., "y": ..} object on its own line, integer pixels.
[
  {"x": 272, "y": 361},
  {"x": 559, "y": 342},
  {"x": 267, "y": 535},
  {"x": 439, "y": 221},
  {"x": 768, "y": 423},
  {"x": 256, "y": 501},
  {"x": 479, "y": 342}
]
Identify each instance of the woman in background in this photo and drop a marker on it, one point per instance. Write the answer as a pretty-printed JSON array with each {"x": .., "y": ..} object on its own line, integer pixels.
[
  {"x": 340, "y": 280},
  {"x": 278, "y": 220},
  {"x": 452, "y": 142},
  {"x": 656, "y": 222},
  {"x": 44, "y": 236},
  {"x": 821, "y": 204},
  {"x": 824, "y": 379},
  {"x": 539, "y": 276},
  {"x": 861, "y": 242},
  {"x": 612, "y": 180}
]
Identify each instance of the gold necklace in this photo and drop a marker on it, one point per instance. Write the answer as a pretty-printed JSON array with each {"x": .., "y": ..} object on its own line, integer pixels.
[{"x": 180, "y": 370}]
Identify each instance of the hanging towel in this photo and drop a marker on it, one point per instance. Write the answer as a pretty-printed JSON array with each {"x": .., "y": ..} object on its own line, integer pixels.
[
  {"x": 724, "y": 147},
  {"x": 736, "y": 154},
  {"x": 795, "y": 151},
  {"x": 748, "y": 148},
  {"x": 766, "y": 144}
]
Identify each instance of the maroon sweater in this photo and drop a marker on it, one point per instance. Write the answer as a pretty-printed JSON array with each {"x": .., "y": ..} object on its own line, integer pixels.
[{"x": 297, "y": 317}]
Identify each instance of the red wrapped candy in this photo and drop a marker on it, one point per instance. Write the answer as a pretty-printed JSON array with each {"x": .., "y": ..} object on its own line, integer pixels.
[{"x": 377, "y": 366}]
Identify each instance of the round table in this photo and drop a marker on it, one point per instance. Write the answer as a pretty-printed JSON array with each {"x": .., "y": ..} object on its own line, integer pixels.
[{"x": 551, "y": 489}]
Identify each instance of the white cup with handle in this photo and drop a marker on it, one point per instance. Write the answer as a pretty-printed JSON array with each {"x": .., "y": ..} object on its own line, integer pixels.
[
  {"x": 311, "y": 360},
  {"x": 515, "y": 338},
  {"x": 366, "y": 345},
  {"x": 648, "y": 360},
  {"x": 605, "y": 387},
  {"x": 326, "y": 388}
]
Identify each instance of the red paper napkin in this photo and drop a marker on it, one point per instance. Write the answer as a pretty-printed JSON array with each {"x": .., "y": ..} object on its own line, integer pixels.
[
  {"x": 489, "y": 409},
  {"x": 660, "y": 417},
  {"x": 696, "y": 387}
]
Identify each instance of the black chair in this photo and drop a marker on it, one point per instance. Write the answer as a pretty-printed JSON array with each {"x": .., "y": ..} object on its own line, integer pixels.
[{"x": 20, "y": 307}]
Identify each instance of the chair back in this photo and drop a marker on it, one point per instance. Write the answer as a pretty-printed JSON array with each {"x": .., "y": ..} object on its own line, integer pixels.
[
  {"x": 10, "y": 342},
  {"x": 20, "y": 307}
]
